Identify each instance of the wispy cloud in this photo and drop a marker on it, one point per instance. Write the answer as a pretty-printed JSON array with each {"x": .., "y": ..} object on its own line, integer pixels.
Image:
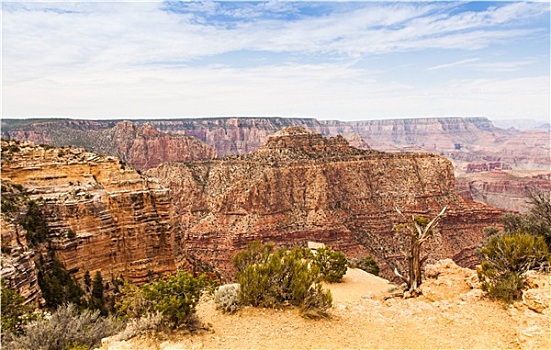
[
  {"x": 454, "y": 64},
  {"x": 191, "y": 57}
]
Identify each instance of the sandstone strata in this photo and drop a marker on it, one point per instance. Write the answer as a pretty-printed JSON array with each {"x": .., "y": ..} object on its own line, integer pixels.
[
  {"x": 303, "y": 187},
  {"x": 472, "y": 144},
  {"x": 139, "y": 145},
  {"x": 122, "y": 222},
  {"x": 509, "y": 190}
]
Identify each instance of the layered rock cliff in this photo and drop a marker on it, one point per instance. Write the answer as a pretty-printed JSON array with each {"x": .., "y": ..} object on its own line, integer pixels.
[
  {"x": 303, "y": 187},
  {"x": 99, "y": 216},
  {"x": 463, "y": 140},
  {"x": 139, "y": 145},
  {"x": 472, "y": 144},
  {"x": 509, "y": 190}
]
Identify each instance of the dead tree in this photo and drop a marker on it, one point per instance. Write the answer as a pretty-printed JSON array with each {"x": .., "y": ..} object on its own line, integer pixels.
[{"x": 419, "y": 230}]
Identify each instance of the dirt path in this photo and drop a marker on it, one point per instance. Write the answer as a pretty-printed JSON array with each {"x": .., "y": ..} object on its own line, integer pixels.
[{"x": 452, "y": 318}]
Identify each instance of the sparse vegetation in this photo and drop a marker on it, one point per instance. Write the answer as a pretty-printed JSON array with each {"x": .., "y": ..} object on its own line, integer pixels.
[
  {"x": 505, "y": 260},
  {"x": 13, "y": 311},
  {"x": 332, "y": 264},
  {"x": 536, "y": 222},
  {"x": 279, "y": 278},
  {"x": 368, "y": 264},
  {"x": 97, "y": 300},
  {"x": 13, "y": 198},
  {"x": 67, "y": 328},
  {"x": 174, "y": 297},
  {"x": 34, "y": 223}
]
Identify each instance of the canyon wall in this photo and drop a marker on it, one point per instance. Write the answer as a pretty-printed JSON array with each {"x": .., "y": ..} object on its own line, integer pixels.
[
  {"x": 472, "y": 144},
  {"x": 303, "y": 187},
  {"x": 509, "y": 190},
  {"x": 463, "y": 140},
  {"x": 139, "y": 145},
  {"x": 100, "y": 216}
]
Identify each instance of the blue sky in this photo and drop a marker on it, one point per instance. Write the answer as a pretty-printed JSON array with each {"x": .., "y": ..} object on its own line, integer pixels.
[{"x": 328, "y": 60}]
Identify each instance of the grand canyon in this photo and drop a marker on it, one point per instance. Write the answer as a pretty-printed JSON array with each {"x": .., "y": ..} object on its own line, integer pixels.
[
  {"x": 204, "y": 188},
  {"x": 139, "y": 200}
]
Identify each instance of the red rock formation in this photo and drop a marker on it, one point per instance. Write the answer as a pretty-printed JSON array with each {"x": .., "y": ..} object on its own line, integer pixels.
[
  {"x": 139, "y": 145},
  {"x": 301, "y": 186},
  {"x": 145, "y": 147},
  {"x": 507, "y": 190},
  {"x": 489, "y": 166},
  {"x": 123, "y": 223}
]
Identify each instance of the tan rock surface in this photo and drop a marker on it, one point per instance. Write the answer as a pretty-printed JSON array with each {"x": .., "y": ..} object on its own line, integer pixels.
[{"x": 123, "y": 224}]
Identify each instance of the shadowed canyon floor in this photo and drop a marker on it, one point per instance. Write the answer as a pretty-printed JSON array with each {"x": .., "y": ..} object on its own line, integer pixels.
[{"x": 450, "y": 315}]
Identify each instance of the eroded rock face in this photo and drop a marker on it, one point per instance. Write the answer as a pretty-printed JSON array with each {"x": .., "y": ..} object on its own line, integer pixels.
[
  {"x": 101, "y": 216},
  {"x": 509, "y": 190},
  {"x": 139, "y": 145},
  {"x": 303, "y": 187},
  {"x": 145, "y": 147},
  {"x": 472, "y": 144}
]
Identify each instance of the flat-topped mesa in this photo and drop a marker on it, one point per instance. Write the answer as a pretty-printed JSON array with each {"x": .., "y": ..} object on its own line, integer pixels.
[
  {"x": 298, "y": 143},
  {"x": 302, "y": 187}
]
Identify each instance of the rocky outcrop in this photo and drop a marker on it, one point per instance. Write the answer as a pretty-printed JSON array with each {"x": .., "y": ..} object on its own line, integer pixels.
[
  {"x": 489, "y": 166},
  {"x": 100, "y": 216},
  {"x": 139, "y": 145},
  {"x": 507, "y": 190},
  {"x": 144, "y": 147},
  {"x": 303, "y": 187}
]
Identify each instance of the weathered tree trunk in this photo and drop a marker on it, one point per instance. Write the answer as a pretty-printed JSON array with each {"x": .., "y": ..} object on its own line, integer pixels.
[{"x": 418, "y": 232}]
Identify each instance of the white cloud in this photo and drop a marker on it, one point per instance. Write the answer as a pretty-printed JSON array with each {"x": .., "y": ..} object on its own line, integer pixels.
[{"x": 133, "y": 60}]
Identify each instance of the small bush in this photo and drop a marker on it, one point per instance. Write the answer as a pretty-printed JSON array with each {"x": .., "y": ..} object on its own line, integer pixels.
[
  {"x": 332, "y": 265},
  {"x": 13, "y": 311},
  {"x": 175, "y": 297},
  {"x": 66, "y": 328},
  {"x": 368, "y": 264},
  {"x": 504, "y": 261},
  {"x": 316, "y": 302},
  {"x": 71, "y": 234},
  {"x": 226, "y": 298},
  {"x": 137, "y": 326},
  {"x": 284, "y": 277}
]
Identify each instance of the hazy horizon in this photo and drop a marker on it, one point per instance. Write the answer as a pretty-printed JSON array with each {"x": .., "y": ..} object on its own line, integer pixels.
[{"x": 324, "y": 60}]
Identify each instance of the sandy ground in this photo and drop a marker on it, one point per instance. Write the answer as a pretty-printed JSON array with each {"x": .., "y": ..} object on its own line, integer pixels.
[{"x": 451, "y": 315}]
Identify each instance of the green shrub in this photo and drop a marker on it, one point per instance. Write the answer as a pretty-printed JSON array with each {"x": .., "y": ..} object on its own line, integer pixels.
[
  {"x": 332, "y": 265},
  {"x": 97, "y": 299},
  {"x": 256, "y": 253},
  {"x": 536, "y": 222},
  {"x": 316, "y": 302},
  {"x": 66, "y": 328},
  {"x": 35, "y": 224},
  {"x": 368, "y": 264},
  {"x": 284, "y": 277},
  {"x": 505, "y": 259},
  {"x": 58, "y": 287},
  {"x": 13, "y": 310},
  {"x": 71, "y": 234},
  {"x": 175, "y": 297}
]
